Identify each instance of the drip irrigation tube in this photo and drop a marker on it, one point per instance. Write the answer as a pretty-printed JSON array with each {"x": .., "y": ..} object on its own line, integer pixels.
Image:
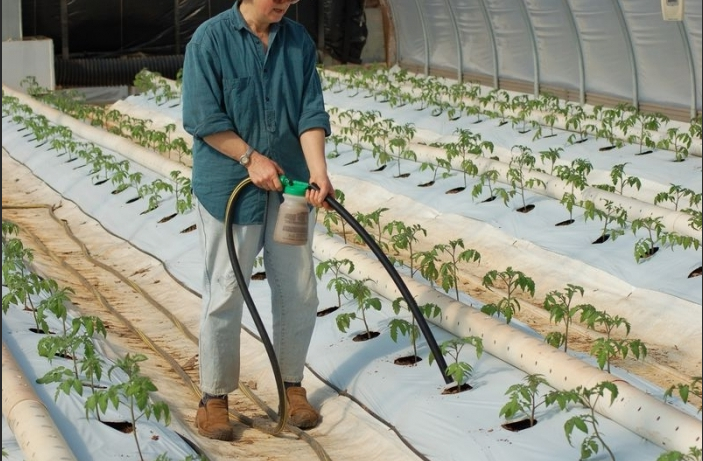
[{"x": 37, "y": 435}]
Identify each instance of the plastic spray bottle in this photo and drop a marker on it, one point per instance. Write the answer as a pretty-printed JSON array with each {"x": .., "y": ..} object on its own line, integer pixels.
[{"x": 292, "y": 224}]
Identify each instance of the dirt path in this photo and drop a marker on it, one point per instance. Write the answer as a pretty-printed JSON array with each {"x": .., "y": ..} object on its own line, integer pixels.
[{"x": 139, "y": 302}]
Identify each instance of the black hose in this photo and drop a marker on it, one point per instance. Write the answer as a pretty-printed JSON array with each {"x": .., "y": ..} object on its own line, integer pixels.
[
  {"x": 397, "y": 279},
  {"x": 369, "y": 240},
  {"x": 261, "y": 328}
]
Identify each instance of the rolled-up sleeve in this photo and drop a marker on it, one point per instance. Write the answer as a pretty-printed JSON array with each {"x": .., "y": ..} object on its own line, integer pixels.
[
  {"x": 313, "y": 113},
  {"x": 203, "y": 112}
]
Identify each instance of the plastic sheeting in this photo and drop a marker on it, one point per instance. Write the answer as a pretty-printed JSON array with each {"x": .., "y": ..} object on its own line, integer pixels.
[
  {"x": 408, "y": 399},
  {"x": 620, "y": 50}
]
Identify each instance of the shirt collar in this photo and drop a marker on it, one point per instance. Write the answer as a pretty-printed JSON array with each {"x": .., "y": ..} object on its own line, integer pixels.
[{"x": 240, "y": 23}]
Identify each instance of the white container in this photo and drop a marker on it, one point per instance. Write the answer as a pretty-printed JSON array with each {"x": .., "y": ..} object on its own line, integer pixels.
[{"x": 292, "y": 223}]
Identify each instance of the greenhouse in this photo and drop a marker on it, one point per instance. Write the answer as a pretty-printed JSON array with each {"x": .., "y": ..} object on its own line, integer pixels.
[{"x": 508, "y": 268}]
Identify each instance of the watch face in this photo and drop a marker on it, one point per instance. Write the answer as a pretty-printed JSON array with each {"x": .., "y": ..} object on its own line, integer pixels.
[{"x": 246, "y": 158}]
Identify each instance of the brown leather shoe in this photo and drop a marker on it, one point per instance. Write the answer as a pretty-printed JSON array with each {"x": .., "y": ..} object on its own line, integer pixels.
[
  {"x": 301, "y": 413},
  {"x": 212, "y": 419}
]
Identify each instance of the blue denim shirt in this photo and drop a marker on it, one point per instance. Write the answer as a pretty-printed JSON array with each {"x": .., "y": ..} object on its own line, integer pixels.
[{"x": 269, "y": 98}]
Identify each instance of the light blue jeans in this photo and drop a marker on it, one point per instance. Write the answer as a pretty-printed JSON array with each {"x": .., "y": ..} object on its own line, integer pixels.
[{"x": 290, "y": 274}]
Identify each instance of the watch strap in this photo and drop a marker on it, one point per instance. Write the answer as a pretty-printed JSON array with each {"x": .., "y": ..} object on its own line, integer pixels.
[{"x": 244, "y": 159}]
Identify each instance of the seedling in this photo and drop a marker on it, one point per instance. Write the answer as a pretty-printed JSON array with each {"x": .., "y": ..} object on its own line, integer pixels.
[
  {"x": 558, "y": 305},
  {"x": 588, "y": 398},
  {"x": 56, "y": 302},
  {"x": 15, "y": 256},
  {"x": 432, "y": 167},
  {"x": 402, "y": 237},
  {"x": 20, "y": 290},
  {"x": 551, "y": 155},
  {"x": 694, "y": 454},
  {"x": 133, "y": 394},
  {"x": 89, "y": 152},
  {"x": 613, "y": 214},
  {"x": 362, "y": 294},
  {"x": 78, "y": 339},
  {"x": 153, "y": 192},
  {"x": 517, "y": 175},
  {"x": 607, "y": 348},
  {"x": 8, "y": 230},
  {"x": 373, "y": 220},
  {"x": 484, "y": 101},
  {"x": 522, "y": 107},
  {"x": 448, "y": 271},
  {"x": 467, "y": 144},
  {"x": 459, "y": 370},
  {"x": 574, "y": 176},
  {"x": 331, "y": 217},
  {"x": 645, "y": 124},
  {"x": 620, "y": 180},
  {"x": 182, "y": 189},
  {"x": 379, "y": 135},
  {"x": 336, "y": 141},
  {"x": 678, "y": 141},
  {"x": 513, "y": 281},
  {"x": 120, "y": 175},
  {"x": 501, "y": 104},
  {"x": 338, "y": 281},
  {"x": 656, "y": 235},
  {"x": 399, "y": 145},
  {"x": 428, "y": 261},
  {"x": 576, "y": 119},
  {"x": 524, "y": 399},
  {"x": 696, "y": 219},
  {"x": 606, "y": 129},
  {"x": 489, "y": 178},
  {"x": 410, "y": 328},
  {"x": 685, "y": 390},
  {"x": 675, "y": 194}
]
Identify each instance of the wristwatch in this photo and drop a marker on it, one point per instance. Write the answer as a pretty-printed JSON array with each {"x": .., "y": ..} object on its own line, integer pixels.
[{"x": 246, "y": 158}]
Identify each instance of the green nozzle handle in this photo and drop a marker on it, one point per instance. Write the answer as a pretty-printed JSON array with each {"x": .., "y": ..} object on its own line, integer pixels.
[{"x": 293, "y": 187}]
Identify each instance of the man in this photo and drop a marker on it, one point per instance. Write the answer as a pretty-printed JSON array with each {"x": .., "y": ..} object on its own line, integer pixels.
[{"x": 253, "y": 101}]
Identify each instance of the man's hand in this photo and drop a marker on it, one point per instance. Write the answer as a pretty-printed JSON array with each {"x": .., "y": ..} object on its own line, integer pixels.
[
  {"x": 264, "y": 172},
  {"x": 317, "y": 197}
]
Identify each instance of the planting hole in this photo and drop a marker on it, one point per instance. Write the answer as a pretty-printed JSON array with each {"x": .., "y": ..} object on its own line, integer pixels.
[
  {"x": 168, "y": 218},
  {"x": 327, "y": 311},
  {"x": 517, "y": 426},
  {"x": 189, "y": 229}
]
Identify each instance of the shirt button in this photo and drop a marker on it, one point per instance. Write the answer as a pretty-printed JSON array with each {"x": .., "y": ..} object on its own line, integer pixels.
[{"x": 267, "y": 99}]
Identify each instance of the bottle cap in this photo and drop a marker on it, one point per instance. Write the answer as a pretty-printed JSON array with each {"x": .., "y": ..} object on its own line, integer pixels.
[{"x": 293, "y": 187}]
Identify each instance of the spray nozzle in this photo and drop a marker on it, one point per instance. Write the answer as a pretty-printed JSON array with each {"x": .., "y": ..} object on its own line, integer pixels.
[{"x": 293, "y": 187}]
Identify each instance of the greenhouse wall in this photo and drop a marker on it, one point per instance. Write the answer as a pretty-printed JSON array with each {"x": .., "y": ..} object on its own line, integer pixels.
[{"x": 595, "y": 51}]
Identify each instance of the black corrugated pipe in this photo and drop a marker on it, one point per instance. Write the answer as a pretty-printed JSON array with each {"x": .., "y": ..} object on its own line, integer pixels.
[{"x": 113, "y": 71}]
